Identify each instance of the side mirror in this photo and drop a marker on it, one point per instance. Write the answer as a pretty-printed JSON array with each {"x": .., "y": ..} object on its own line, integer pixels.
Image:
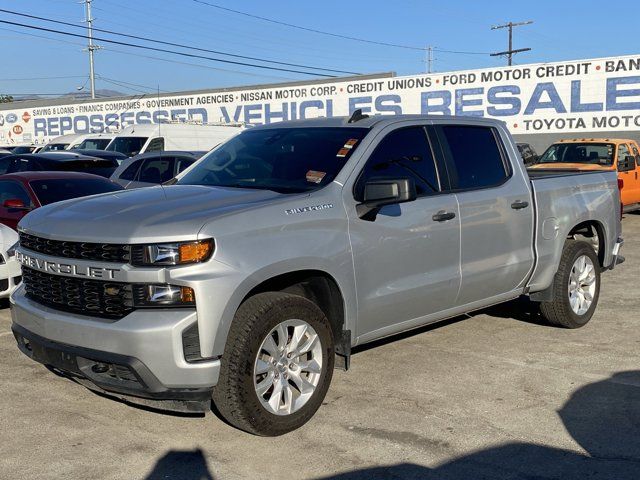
[
  {"x": 626, "y": 164},
  {"x": 378, "y": 193},
  {"x": 15, "y": 204}
]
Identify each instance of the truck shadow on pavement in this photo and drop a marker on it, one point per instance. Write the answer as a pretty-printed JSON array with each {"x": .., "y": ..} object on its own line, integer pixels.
[
  {"x": 181, "y": 465},
  {"x": 602, "y": 417}
]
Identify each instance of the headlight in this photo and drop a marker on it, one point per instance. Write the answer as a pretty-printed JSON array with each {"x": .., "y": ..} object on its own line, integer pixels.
[
  {"x": 163, "y": 296},
  {"x": 12, "y": 249},
  {"x": 179, "y": 253}
]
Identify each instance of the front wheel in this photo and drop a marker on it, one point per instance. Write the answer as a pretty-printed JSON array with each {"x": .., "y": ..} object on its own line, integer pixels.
[
  {"x": 576, "y": 287},
  {"x": 277, "y": 364}
]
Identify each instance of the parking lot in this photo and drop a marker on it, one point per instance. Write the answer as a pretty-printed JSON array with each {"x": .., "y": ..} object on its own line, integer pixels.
[{"x": 496, "y": 395}]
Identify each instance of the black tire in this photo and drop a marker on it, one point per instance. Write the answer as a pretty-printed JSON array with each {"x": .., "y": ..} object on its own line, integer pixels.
[
  {"x": 234, "y": 396},
  {"x": 559, "y": 312}
]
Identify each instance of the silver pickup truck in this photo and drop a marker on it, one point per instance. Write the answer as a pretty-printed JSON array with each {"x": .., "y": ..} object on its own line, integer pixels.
[{"x": 254, "y": 274}]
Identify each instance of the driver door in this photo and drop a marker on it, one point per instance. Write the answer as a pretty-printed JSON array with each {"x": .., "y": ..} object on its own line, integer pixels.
[{"x": 407, "y": 258}]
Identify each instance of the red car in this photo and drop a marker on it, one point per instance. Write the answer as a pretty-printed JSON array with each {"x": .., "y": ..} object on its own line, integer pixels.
[{"x": 24, "y": 191}]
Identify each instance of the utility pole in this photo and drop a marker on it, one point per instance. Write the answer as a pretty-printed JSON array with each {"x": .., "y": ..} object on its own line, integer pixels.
[
  {"x": 91, "y": 47},
  {"x": 509, "y": 53},
  {"x": 429, "y": 59}
]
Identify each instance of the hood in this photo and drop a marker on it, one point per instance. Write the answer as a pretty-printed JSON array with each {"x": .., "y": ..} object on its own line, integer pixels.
[
  {"x": 590, "y": 167},
  {"x": 142, "y": 215}
]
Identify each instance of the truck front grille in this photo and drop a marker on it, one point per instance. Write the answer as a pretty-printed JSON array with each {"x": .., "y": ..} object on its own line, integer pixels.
[
  {"x": 102, "y": 252},
  {"x": 86, "y": 297}
]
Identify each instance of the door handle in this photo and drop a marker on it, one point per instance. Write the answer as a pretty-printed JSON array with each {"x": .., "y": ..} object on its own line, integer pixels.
[
  {"x": 518, "y": 204},
  {"x": 443, "y": 216}
]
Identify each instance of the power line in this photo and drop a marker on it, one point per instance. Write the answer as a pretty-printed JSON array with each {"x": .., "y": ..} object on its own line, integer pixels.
[
  {"x": 173, "y": 44},
  {"x": 207, "y": 67},
  {"x": 321, "y": 32},
  {"x": 331, "y": 34},
  {"x": 154, "y": 89},
  {"x": 164, "y": 50},
  {"x": 441, "y": 50},
  {"x": 40, "y": 78},
  {"x": 122, "y": 52}
]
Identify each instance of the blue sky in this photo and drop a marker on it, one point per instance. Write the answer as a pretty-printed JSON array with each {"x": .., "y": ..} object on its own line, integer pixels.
[{"x": 563, "y": 30}]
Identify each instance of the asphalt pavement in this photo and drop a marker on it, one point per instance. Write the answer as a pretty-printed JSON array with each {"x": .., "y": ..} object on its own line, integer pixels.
[{"x": 495, "y": 395}]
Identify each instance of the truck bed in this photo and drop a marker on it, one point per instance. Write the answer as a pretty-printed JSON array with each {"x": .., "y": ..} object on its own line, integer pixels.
[
  {"x": 541, "y": 173},
  {"x": 563, "y": 200}
]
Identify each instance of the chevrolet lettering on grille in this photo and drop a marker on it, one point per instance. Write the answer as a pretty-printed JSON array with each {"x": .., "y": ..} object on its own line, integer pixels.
[{"x": 87, "y": 271}]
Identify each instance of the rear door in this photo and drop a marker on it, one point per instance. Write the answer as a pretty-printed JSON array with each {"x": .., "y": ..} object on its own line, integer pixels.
[
  {"x": 496, "y": 211},
  {"x": 407, "y": 258}
]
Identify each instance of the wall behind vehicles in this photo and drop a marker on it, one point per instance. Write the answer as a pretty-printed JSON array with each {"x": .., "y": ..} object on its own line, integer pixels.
[{"x": 565, "y": 98}]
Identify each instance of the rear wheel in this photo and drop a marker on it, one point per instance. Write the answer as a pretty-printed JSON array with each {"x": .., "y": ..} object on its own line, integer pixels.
[
  {"x": 576, "y": 287},
  {"x": 277, "y": 364}
]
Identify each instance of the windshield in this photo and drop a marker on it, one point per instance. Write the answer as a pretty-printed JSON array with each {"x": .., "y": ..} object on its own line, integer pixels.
[
  {"x": 587, "y": 153},
  {"x": 94, "y": 144},
  {"x": 280, "y": 159},
  {"x": 56, "y": 190},
  {"x": 54, "y": 147},
  {"x": 130, "y": 146}
]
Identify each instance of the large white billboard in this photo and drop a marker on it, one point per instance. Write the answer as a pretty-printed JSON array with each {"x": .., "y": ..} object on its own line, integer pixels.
[{"x": 595, "y": 95}]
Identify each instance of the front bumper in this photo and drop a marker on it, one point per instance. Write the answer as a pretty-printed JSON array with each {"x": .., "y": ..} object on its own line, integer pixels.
[{"x": 139, "y": 357}]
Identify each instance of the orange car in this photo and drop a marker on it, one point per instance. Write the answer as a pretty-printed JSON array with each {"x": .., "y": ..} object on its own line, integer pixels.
[{"x": 599, "y": 154}]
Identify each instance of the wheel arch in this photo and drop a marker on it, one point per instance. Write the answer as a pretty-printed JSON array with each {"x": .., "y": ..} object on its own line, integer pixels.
[
  {"x": 594, "y": 230},
  {"x": 317, "y": 284}
]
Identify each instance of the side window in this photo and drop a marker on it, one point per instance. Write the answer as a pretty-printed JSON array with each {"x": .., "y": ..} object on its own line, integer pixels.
[
  {"x": 130, "y": 172},
  {"x": 403, "y": 153},
  {"x": 23, "y": 165},
  {"x": 156, "y": 145},
  {"x": 183, "y": 163},
  {"x": 474, "y": 156},
  {"x": 157, "y": 170},
  {"x": 636, "y": 154},
  {"x": 4, "y": 164},
  {"x": 10, "y": 190},
  {"x": 623, "y": 151}
]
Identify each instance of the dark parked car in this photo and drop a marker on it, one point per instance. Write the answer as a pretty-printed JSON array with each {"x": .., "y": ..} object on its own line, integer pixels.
[
  {"x": 104, "y": 154},
  {"x": 153, "y": 168},
  {"x": 22, "y": 192},
  {"x": 60, "y": 161},
  {"x": 528, "y": 154},
  {"x": 20, "y": 149}
]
